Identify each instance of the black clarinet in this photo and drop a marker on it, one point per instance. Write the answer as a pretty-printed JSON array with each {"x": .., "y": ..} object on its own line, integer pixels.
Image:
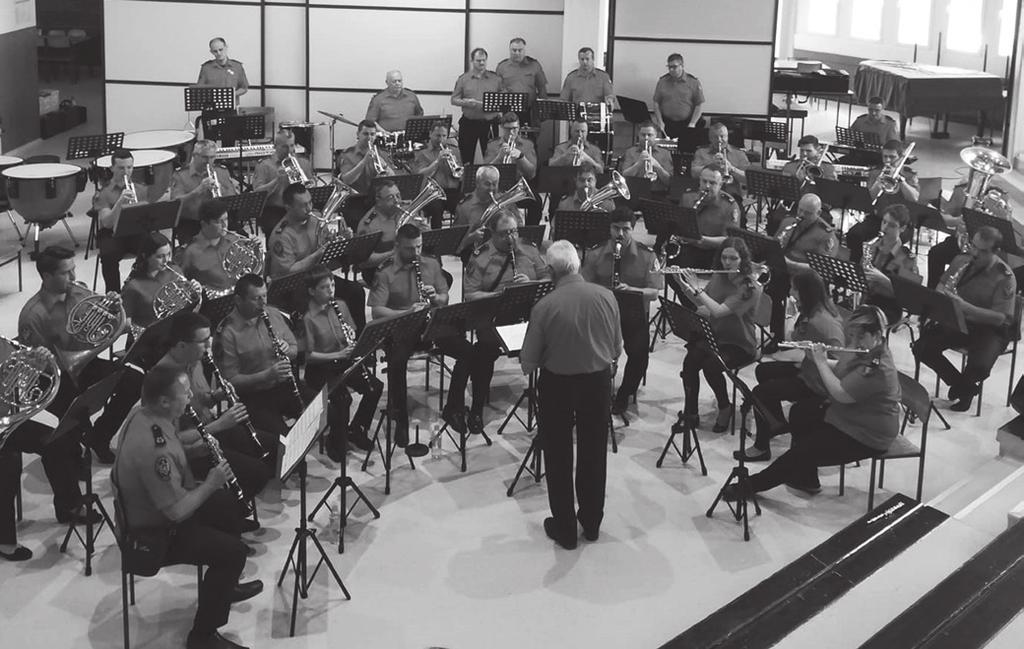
[
  {"x": 216, "y": 457},
  {"x": 232, "y": 396},
  {"x": 281, "y": 355},
  {"x": 348, "y": 336}
]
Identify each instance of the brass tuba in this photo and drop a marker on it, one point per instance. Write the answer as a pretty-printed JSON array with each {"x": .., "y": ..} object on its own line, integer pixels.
[
  {"x": 339, "y": 195},
  {"x": 29, "y": 381},
  {"x": 518, "y": 192},
  {"x": 985, "y": 164},
  {"x": 431, "y": 192},
  {"x": 616, "y": 187},
  {"x": 95, "y": 322},
  {"x": 175, "y": 295},
  {"x": 294, "y": 170}
]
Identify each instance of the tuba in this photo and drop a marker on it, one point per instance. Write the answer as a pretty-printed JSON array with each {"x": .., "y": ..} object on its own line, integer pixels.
[
  {"x": 889, "y": 179},
  {"x": 518, "y": 192},
  {"x": 95, "y": 322},
  {"x": 615, "y": 187},
  {"x": 985, "y": 164},
  {"x": 175, "y": 295},
  {"x": 294, "y": 170},
  {"x": 431, "y": 192},
  {"x": 29, "y": 381}
]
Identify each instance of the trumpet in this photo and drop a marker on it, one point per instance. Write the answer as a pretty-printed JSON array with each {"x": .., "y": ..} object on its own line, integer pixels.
[
  {"x": 130, "y": 196},
  {"x": 215, "y": 189},
  {"x": 232, "y": 397},
  {"x": 649, "y": 172},
  {"x": 454, "y": 168},
  {"x": 810, "y": 344},
  {"x": 510, "y": 142},
  {"x": 577, "y": 158},
  {"x": 722, "y": 149},
  {"x": 175, "y": 295},
  {"x": 294, "y": 171},
  {"x": 381, "y": 166},
  {"x": 216, "y": 457},
  {"x": 890, "y": 176}
]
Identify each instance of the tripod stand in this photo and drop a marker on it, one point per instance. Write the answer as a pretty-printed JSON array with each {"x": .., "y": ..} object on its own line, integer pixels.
[
  {"x": 740, "y": 474},
  {"x": 92, "y": 530},
  {"x": 691, "y": 443}
]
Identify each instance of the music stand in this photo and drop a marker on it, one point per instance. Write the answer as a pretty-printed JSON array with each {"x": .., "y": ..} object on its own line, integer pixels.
[
  {"x": 242, "y": 127},
  {"x": 408, "y": 184},
  {"x": 246, "y": 207},
  {"x": 926, "y": 216},
  {"x": 93, "y": 146},
  {"x": 762, "y": 248},
  {"x": 582, "y": 229},
  {"x": 839, "y": 272},
  {"x": 508, "y": 175},
  {"x": 665, "y": 220},
  {"x": 772, "y": 187},
  {"x": 136, "y": 220},
  {"x": 929, "y": 304},
  {"x": 504, "y": 102},
  {"x": 556, "y": 179},
  {"x": 532, "y": 233},
  {"x": 692, "y": 139},
  {"x": 85, "y": 405},
  {"x": 204, "y": 98},
  {"x": 639, "y": 189},
  {"x": 555, "y": 109},
  {"x": 288, "y": 291},
  {"x": 297, "y": 443},
  {"x": 417, "y": 129},
  {"x": 443, "y": 241},
  {"x": 218, "y": 308},
  {"x": 686, "y": 324},
  {"x": 846, "y": 136},
  {"x": 845, "y": 196},
  {"x": 974, "y": 219},
  {"x": 319, "y": 195},
  {"x": 349, "y": 252},
  {"x": 150, "y": 346}
]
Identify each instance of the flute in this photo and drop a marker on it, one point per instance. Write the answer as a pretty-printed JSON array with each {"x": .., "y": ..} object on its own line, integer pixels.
[
  {"x": 810, "y": 344},
  {"x": 676, "y": 270},
  {"x": 216, "y": 457}
]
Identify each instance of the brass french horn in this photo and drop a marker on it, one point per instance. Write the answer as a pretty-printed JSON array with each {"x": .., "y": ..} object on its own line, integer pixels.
[
  {"x": 29, "y": 381},
  {"x": 95, "y": 322}
]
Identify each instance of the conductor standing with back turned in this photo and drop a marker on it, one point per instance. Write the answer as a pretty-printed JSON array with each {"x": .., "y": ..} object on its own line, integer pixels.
[{"x": 573, "y": 337}]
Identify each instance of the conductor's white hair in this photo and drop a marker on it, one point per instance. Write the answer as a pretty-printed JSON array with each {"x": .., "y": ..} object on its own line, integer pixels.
[{"x": 563, "y": 258}]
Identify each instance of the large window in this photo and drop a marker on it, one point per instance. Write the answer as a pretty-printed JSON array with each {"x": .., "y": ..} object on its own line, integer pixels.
[
  {"x": 822, "y": 16},
  {"x": 1007, "y": 21},
  {"x": 964, "y": 32},
  {"x": 914, "y": 22},
  {"x": 866, "y": 20}
]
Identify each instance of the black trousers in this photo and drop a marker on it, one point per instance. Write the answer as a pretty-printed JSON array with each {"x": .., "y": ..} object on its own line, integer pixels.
[
  {"x": 126, "y": 393},
  {"x": 777, "y": 289},
  {"x": 112, "y": 251},
  {"x": 676, "y": 128},
  {"x": 636, "y": 340},
  {"x": 362, "y": 381},
  {"x": 582, "y": 399},
  {"x": 485, "y": 353},
  {"x": 268, "y": 408},
  {"x": 60, "y": 463},
  {"x": 210, "y": 538},
  {"x": 814, "y": 444},
  {"x": 984, "y": 344},
  {"x": 699, "y": 358},
  {"x": 777, "y": 382},
  {"x": 473, "y": 133},
  {"x": 456, "y": 347},
  {"x": 242, "y": 455}
]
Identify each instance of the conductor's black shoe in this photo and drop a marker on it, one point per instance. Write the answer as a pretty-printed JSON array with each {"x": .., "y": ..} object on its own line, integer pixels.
[
  {"x": 20, "y": 553},
  {"x": 79, "y": 516},
  {"x": 549, "y": 529},
  {"x": 753, "y": 455},
  {"x": 210, "y": 641},
  {"x": 808, "y": 488},
  {"x": 401, "y": 434},
  {"x": 475, "y": 422},
  {"x": 455, "y": 417},
  {"x": 248, "y": 525},
  {"x": 589, "y": 533},
  {"x": 954, "y": 392},
  {"x": 247, "y": 590}
]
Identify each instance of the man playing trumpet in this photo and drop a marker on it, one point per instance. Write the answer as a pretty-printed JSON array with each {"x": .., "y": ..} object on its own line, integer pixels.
[
  {"x": 202, "y": 179},
  {"x": 644, "y": 159},
  {"x": 108, "y": 202},
  {"x": 733, "y": 161},
  {"x": 272, "y": 176},
  {"x": 440, "y": 160}
]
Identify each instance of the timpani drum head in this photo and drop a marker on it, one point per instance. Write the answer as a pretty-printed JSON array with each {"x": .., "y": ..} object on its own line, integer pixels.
[
  {"x": 142, "y": 158},
  {"x": 41, "y": 171},
  {"x": 162, "y": 139}
]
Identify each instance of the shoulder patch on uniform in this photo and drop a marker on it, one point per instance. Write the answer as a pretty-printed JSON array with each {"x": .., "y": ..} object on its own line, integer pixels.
[
  {"x": 726, "y": 197},
  {"x": 278, "y": 248},
  {"x": 162, "y": 466},
  {"x": 158, "y": 435}
]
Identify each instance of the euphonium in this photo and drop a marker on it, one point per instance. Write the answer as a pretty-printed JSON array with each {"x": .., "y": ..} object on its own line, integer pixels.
[
  {"x": 294, "y": 170},
  {"x": 431, "y": 192},
  {"x": 29, "y": 381},
  {"x": 577, "y": 157},
  {"x": 889, "y": 179},
  {"x": 454, "y": 168},
  {"x": 510, "y": 142},
  {"x": 649, "y": 172},
  {"x": 954, "y": 279},
  {"x": 96, "y": 321},
  {"x": 616, "y": 187},
  {"x": 518, "y": 192},
  {"x": 215, "y": 189}
]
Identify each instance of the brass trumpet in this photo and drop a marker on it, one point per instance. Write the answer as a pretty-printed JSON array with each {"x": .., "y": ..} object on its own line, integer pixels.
[
  {"x": 381, "y": 166},
  {"x": 130, "y": 196},
  {"x": 510, "y": 142},
  {"x": 649, "y": 172},
  {"x": 294, "y": 171},
  {"x": 215, "y": 190},
  {"x": 577, "y": 158},
  {"x": 454, "y": 168}
]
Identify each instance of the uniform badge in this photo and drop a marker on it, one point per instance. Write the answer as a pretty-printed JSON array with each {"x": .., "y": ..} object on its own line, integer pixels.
[
  {"x": 163, "y": 468},
  {"x": 278, "y": 248},
  {"x": 158, "y": 436}
]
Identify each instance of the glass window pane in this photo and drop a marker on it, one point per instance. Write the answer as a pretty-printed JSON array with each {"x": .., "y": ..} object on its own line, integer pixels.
[
  {"x": 866, "y": 20},
  {"x": 964, "y": 26},
  {"x": 822, "y": 16},
  {"x": 914, "y": 22},
  {"x": 1007, "y": 19}
]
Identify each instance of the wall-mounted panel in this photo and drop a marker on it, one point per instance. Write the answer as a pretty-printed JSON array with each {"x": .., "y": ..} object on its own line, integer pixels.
[
  {"x": 143, "y": 108},
  {"x": 429, "y": 50},
  {"x": 542, "y": 32},
  {"x": 736, "y": 78},
  {"x": 285, "y": 55},
  {"x": 517, "y": 5},
  {"x": 735, "y": 20},
  {"x": 459, "y": 5}
]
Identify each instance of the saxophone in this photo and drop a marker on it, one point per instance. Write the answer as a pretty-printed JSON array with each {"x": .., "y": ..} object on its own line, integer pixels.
[
  {"x": 867, "y": 262},
  {"x": 616, "y": 262},
  {"x": 232, "y": 396},
  {"x": 952, "y": 282},
  {"x": 786, "y": 233},
  {"x": 216, "y": 457},
  {"x": 281, "y": 354}
]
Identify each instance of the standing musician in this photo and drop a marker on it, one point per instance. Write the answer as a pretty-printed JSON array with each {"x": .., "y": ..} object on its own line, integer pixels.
[
  {"x": 471, "y": 209},
  {"x": 889, "y": 257},
  {"x": 859, "y": 418},
  {"x": 475, "y": 124},
  {"x": 636, "y": 158},
  {"x": 633, "y": 270},
  {"x": 573, "y": 339},
  {"x": 175, "y": 517},
  {"x": 383, "y": 218},
  {"x": 523, "y": 73},
  {"x": 730, "y": 302},
  {"x": 876, "y": 121},
  {"x": 984, "y": 288},
  {"x": 733, "y": 161},
  {"x": 190, "y": 339},
  {"x": 193, "y": 184},
  {"x": 406, "y": 282},
  {"x": 151, "y": 271},
  {"x": 908, "y": 192},
  {"x": 586, "y": 184},
  {"x": 221, "y": 71},
  {"x": 108, "y": 202},
  {"x": 716, "y": 211},
  {"x": 587, "y": 83},
  {"x": 783, "y": 379},
  {"x": 43, "y": 322},
  {"x": 390, "y": 108},
  {"x": 355, "y": 169},
  {"x": 436, "y": 160},
  {"x": 271, "y": 177},
  {"x": 261, "y": 371},
  {"x": 203, "y": 258},
  {"x": 810, "y": 151},
  {"x": 504, "y": 260},
  {"x": 330, "y": 339},
  {"x": 678, "y": 99}
]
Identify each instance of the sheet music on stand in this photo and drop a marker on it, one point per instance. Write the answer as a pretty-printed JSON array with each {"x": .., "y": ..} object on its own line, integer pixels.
[
  {"x": 556, "y": 109},
  {"x": 303, "y": 434},
  {"x": 762, "y": 247},
  {"x": 348, "y": 252},
  {"x": 508, "y": 175},
  {"x": 408, "y": 184},
  {"x": 857, "y": 139},
  {"x": 81, "y": 147},
  {"x": 203, "y": 98},
  {"x": 511, "y": 337},
  {"x": 417, "y": 129},
  {"x": 504, "y": 102},
  {"x": 974, "y": 219},
  {"x": 584, "y": 229},
  {"x": 147, "y": 217},
  {"x": 666, "y": 219},
  {"x": 443, "y": 241},
  {"x": 245, "y": 207},
  {"x": 456, "y": 319},
  {"x": 242, "y": 127},
  {"x": 288, "y": 292},
  {"x": 773, "y": 185},
  {"x": 838, "y": 272},
  {"x": 320, "y": 194},
  {"x": 928, "y": 304},
  {"x": 557, "y": 179},
  {"x": 844, "y": 196},
  {"x": 517, "y": 300}
]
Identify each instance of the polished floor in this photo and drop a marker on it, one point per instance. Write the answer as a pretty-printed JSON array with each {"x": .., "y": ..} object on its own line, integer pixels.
[{"x": 453, "y": 562}]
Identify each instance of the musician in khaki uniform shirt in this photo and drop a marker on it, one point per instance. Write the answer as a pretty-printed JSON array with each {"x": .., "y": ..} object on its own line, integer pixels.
[
  {"x": 888, "y": 257},
  {"x": 636, "y": 272},
  {"x": 908, "y": 190},
  {"x": 586, "y": 185},
  {"x": 470, "y": 209},
  {"x": 430, "y": 163},
  {"x": 192, "y": 185},
  {"x": 634, "y": 160},
  {"x": 810, "y": 156},
  {"x": 984, "y": 288},
  {"x": 733, "y": 161},
  {"x": 716, "y": 211},
  {"x": 355, "y": 168},
  {"x": 522, "y": 152},
  {"x": 203, "y": 258},
  {"x": 271, "y": 177},
  {"x": 108, "y": 202},
  {"x": 221, "y": 71},
  {"x": 565, "y": 152}
]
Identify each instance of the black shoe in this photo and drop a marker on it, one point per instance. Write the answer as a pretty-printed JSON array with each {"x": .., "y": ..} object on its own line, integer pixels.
[
  {"x": 619, "y": 404},
  {"x": 455, "y": 418},
  {"x": 250, "y": 551},
  {"x": 475, "y": 422},
  {"x": 723, "y": 419},
  {"x": 401, "y": 434},
  {"x": 334, "y": 451},
  {"x": 966, "y": 396},
  {"x": 79, "y": 516},
  {"x": 210, "y": 641},
  {"x": 101, "y": 449},
  {"x": 589, "y": 533},
  {"x": 358, "y": 438},
  {"x": 549, "y": 529},
  {"x": 690, "y": 419},
  {"x": 20, "y": 553},
  {"x": 753, "y": 455},
  {"x": 954, "y": 393},
  {"x": 245, "y": 591},
  {"x": 732, "y": 493},
  {"x": 811, "y": 489},
  {"x": 249, "y": 525}
]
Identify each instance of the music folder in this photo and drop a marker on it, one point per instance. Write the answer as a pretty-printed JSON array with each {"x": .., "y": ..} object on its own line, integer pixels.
[{"x": 147, "y": 217}]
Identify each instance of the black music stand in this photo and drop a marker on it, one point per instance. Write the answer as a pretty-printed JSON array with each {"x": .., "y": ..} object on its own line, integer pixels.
[
  {"x": 846, "y": 136},
  {"x": 686, "y": 325},
  {"x": 772, "y": 188},
  {"x": 389, "y": 333},
  {"x": 839, "y": 272},
  {"x": 555, "y": 109},
  {"x": 408, "y": 184},
  {"x": 508, "y": 175},
  {"x": 319, "y": 195},
  {"x": 692, "y": 139},
  {"x": 204, "y": 98},
  {"x": 762, "y": 248},
  {"x": 218, "y": 308},
  {"x": 297, "y": 443},
  {"x": 93, "y": 146},
  {"x": 666, "y": 220},
  {"x": 974, "y": 219},
  {"x": 139, "y": 219},
  {"x": 504, "y": 102},
  {"x": 532, "y": 233},
  {"x": 349, "y": 252},
  {"x": 288, "y": 292},
  {"x": 146, "y": 350},
  {"x": 556, "y": 179},
  {"x": 246, "y": 207},
  {"x": 243, "y": 127},
  {"x": 85, "y": 405},
  {"x": 929, "y": 304},
  {"x": 845, "y": 196},
  {"x": 417, "y": 129},
  {"x": 582, "y": 229},
  {"x": 443, "y": 241},
  {"x": 926, "y": 216}
]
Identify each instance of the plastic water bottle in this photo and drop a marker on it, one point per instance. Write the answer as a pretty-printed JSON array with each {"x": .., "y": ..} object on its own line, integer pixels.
[
  {"x": 333, "y": 524},
  {"x": 435, "y": 440}
]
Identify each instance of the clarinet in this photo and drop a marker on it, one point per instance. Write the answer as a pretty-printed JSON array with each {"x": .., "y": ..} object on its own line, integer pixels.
[
  {"x": 216, "y": 457},
  {"x": 348, "y": 336},
  {"x": 616, "y": 263},
  {"x": 420, "y": 288},
  {"x": 280, "y": 354},
  {"x": 232, "y": 396}
]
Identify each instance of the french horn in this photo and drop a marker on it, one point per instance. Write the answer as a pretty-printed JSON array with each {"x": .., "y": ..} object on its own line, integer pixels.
[{"x": 29, "y": 381}]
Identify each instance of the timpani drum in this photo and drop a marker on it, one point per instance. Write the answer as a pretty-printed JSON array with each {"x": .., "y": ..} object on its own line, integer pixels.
[
  {"x": 6, "y": 162},
  {"x": 180, "y": 142},
  {"x": 152, "y": 169},
  {"x": 43, "y": 193}
]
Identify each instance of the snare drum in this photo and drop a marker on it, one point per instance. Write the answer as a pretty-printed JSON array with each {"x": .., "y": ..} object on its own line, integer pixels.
[
  {"x": 43, "y": 193},
  {"x": 6, "y": 162},
  {"x": 180, "y": 142},
  {"x": 152, "y": 169}
]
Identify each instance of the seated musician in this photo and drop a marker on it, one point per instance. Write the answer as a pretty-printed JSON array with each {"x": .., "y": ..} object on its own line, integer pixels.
[
  {"x": 43, "y": 322},
  {"x": 355, "y": 169},
  {"x": 510, "y": 148},
  {"x": 261, "y": 372},
  {"x": 730, "y": 302},
  {"x": 993, "y": 202},
  {"x": 431, "y": 162},
  {"x": 390, "y": 108},
  {"x": 192, "y": 185},
  {"x": 152, "y": 270},
  {"x": 716, "y": 211},
  {"x": 810, "y": 158},
  {"x": 395, "y": 291},
  {"x": 907, "y": 191},
  {"x": 635, "y": 158},
  {"x": 203, "y": 258},
  {"x": 471, "y": 209},
  {"x": 859, "y": 420},
  {"x": 108, "y": 202},
  {"x": 330, "y": 338},
  {"x": 190, "y": 339},
  {"x": 633, "y": 271},
  {"x": 782, "y": 380},
  {"x": 186, "y": 521},
  {"x": 271, "y": 177},
  {"x": 734, "y": 162},
  {"x": 984, "y": 288},
  {"x": 569, "y": 153},
  {"x": 384, "y": 217},
  {"x": 504, "y": 260},
  {"x": 877, "y": 122},
  {"x": 586, "y": 184},
  {"x": 889, "y": 257}
]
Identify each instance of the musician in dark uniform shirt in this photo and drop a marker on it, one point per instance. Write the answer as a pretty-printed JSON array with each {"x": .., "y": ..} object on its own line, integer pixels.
[
  {"x": 875, "y": 122},
  {"x": 271, "y": 177},
  {"x": 716, "y": 211},
  {"x": 634, "y": 271},
  {"x": 907, "y": 191},
  {"x": 733, "y": 161},
  {"x": 985, "y": 289}
]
